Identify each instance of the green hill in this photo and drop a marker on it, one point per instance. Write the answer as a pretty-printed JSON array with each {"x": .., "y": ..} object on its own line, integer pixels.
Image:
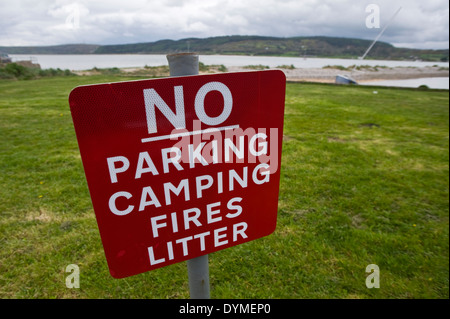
[
  {"x": 250, "y": 45},
  {"x": 53, "y": 49},
  {"x": 295, "y": 46}
]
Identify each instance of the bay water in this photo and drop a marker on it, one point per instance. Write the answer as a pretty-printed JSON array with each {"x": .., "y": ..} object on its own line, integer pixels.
[{"x": 78, "y": 62}]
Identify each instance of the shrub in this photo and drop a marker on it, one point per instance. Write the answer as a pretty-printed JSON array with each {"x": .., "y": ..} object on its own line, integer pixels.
[
  {"x": 20, "y": 72},
  {"x": 257, "y": 67},
  {"x": 337, "y": 67},
  {"x": 288, "y": 67},
  {"x": 223, "y": 68},
  {"x": 202, "y": 67}
]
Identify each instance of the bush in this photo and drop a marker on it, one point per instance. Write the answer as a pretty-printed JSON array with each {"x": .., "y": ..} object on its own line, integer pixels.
[
  {"x": 203, "y": 67},
  {"x": 223, "y": 68},
  {"x": 257, "y": 67},
  {"x": 211, "y": 68},
  {"x": 20, "y": 72},
  {"x": 337, "y": 67},
  {"x": 287, "y": 67},
  {"x": 5, "y": 75}
]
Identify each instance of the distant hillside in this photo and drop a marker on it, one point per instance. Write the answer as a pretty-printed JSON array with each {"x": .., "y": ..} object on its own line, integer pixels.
[
  {"x": 250, "y": 45},
  {"x": 54, "y": 49},
  {"x": 296, "y": 46}
]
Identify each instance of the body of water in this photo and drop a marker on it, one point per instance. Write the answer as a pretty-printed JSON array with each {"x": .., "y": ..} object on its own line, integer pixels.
[
  {"x": 89, "y": 61},
  {"x": 432, "y": 83}
]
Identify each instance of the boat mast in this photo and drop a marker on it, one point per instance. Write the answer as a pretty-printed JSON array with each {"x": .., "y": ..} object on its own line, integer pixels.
[
  {"x": 379, "y": 35},
  {"x": 373, "y": 43}
]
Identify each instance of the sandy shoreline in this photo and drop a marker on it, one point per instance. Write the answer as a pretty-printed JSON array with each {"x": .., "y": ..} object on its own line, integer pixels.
[
  {"x": 323, "y": 75},
  {"x": 328, "y": 75}
]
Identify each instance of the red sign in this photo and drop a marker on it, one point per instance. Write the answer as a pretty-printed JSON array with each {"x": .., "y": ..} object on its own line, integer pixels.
[{"x": 180, "y": 167}]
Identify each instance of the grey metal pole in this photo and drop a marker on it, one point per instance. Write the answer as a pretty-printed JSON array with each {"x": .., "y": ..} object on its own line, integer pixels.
[
  {"x": 183, "y": 64},
  {"x": 198, "y": 270},
  {"x": 198, "y": 273}
]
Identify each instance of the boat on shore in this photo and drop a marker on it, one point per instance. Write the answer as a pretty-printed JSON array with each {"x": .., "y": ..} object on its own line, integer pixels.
[{"x": 344, "y": 79}]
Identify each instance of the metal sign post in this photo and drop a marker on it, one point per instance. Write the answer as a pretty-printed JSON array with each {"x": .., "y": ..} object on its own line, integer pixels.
[{"x": 198, "y": 270}]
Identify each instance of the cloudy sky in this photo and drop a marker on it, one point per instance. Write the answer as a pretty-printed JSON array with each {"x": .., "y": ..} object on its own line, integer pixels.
[{"x": 419, "y": 24}]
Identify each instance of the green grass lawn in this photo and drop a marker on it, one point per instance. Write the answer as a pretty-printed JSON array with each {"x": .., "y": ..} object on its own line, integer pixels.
[{"x": 364, "y": 180}]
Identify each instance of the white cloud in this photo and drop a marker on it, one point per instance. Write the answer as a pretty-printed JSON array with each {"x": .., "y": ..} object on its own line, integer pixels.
[{"x": 24, "y": 22}]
